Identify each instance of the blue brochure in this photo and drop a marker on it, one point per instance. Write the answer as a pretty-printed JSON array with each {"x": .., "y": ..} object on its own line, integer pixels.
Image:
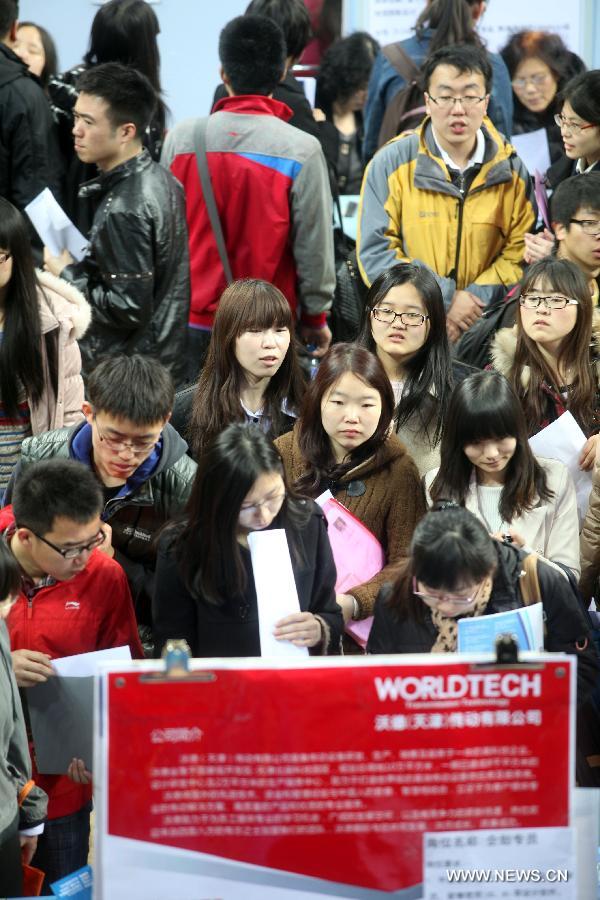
[
  {"x": 526, "y": 625},
  {"x": 78, "y": 884}
]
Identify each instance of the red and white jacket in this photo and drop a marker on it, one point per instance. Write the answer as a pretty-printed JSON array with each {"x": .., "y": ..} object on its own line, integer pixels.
[
  {"x": 92, "y": 611},
  {"x": 274, "y": 201}
]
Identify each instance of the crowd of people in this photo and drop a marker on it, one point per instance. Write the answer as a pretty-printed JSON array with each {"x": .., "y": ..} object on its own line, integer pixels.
[{"x": 155, "y": 408}]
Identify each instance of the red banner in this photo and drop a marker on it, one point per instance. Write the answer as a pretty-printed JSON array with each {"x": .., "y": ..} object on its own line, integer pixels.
[{"x": 336, "y": 772}]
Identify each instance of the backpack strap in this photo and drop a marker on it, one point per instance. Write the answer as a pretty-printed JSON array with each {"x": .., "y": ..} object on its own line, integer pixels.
[
  {"x": 200, "y": 130},
  {"x": 401, "y": 61},
  {"x": 529, "y": 583}
]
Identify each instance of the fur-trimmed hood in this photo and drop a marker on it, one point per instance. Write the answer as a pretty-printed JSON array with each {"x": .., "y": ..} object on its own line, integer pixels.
[
  {"x": 64, "y": 303},
  {"x": 504, "y": 347}
]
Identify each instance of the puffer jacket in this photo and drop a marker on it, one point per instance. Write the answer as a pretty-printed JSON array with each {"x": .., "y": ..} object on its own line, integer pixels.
[
  {"x": 15, "y": 762},
  {"x": 503, "y": 350},
  {"x": 64, "y": 317},
  {"x": 29, "y": 153},
  {"x": 410, "y": 210},
  {"x": 139, "y": 512},
  {"x": 136, "y": 272},
  {"x": 384, "y": 492}
]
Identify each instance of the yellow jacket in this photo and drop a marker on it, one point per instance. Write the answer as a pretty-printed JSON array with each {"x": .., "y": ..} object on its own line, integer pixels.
[{"x": 410, "y": 211}]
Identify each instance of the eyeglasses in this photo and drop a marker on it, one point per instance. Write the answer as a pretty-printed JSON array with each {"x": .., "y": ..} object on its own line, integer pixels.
[
  {"x": 72, "y": 552},
  {"x": 554, "y": 301},
  {"x": 4, "y": 257},
  {"x": 273, "y": 504},
  {"x": 388, "y": 316},
  {"x": 458, "y": 599},
  {"x": 118, "y": 444},
  {"x": 537, "y": 81},
  {"x": 447, "y": 102},
  {"x": 574, "y": 127},
  {"x": 588, "y": 226}
]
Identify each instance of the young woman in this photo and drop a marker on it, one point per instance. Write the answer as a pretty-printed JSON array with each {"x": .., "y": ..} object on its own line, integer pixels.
[
  {"x": 204, "y": 589},
  {"x": 550, "y": 355},
  {"x": 405, "y": 325},
  {"x": 539, "y": 65},
  {"x": 341, "y": 95},
  {"x": 15, "y": 771},
  {"x": 343, "y": 443},
  {"x": 487, "y": 466},
  {"x": 37, "y": 50},
  {"x": 251, "y": 372},
  {"x": 41, "y": 318}
]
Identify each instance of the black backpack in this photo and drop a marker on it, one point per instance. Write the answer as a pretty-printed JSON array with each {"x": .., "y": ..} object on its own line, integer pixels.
[
  {"x": 348, "y": 301},
  {"x": 474, "y": 346},
  {"x": 406, "y": 109}
]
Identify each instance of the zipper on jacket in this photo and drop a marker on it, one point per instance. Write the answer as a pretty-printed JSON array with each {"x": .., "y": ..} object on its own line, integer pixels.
[{"x": 459, "y": 213}]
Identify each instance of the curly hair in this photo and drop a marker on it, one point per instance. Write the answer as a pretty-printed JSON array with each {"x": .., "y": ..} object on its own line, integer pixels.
[{"x": 345, "y": 69}]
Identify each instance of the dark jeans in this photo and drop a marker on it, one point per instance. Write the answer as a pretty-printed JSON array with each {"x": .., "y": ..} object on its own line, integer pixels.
[
  {"x": 11, "y": 872},
  {"x": 64, "y": 846},
  {"x": 198, "y": 341}
]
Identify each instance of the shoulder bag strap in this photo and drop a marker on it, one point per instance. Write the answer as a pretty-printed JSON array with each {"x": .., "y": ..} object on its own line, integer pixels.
[
  {"x": 402, "y": 62},
  {"x": 209, "y": 196},
  {"x": 529, "y": 581}
]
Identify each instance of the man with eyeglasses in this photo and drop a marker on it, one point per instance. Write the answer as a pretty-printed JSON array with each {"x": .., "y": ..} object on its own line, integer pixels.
[
  {"x": 453, "y": 196},
  {"x": 74, "y": 599},
  {"x": 138, "y": 458}
]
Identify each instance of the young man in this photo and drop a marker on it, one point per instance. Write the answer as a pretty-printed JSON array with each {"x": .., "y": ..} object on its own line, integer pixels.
[
  {"x": 453, "y": 196},
  {"x": 575, "y": 213},
  {"x": 271, "y": 190},
  {"x": 138, "y": 458},
  {"x": 136, "y": 272},
  {"x": 29, "y": 153},
  {"x": 74, "y": 599}
]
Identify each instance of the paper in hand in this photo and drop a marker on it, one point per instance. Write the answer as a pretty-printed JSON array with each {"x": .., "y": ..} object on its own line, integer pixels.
[
  {"x": 563, "y": 439},
  {"x": 55, "y": 229}
]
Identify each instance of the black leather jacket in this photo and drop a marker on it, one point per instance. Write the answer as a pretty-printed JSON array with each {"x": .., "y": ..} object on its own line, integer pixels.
[{"x": 136, "y": 272}]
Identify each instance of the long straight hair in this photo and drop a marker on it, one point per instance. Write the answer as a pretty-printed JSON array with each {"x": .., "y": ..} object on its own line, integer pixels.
[
  {"x": 246, "y": 305},
  {"x": 207, "y": 546},
  {"x": 314, "y": 442},
  {"x": 452, "y": 21},
  {"x": 429, "y": 381},
  {"x": 20, "y": 357},
  {"x": 485, "y": 407},
  {"x": 566, "y": 278}
]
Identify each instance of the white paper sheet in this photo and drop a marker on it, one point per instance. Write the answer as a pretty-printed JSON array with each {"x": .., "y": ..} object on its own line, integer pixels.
[
  {"x": 275, "y": 589},
  {"x": 506, "y": 861},
  {"x": 85, "y": 664},
  {"x": 54, "y": 227},
  {"x": 563, "y": 440},
  {"x": 533, "y": 149}
]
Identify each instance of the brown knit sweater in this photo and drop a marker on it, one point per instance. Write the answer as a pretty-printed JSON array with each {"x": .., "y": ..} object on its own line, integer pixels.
[{"x": 391, "y": 506}]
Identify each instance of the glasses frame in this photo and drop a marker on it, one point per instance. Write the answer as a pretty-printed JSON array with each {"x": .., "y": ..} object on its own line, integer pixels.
[
  {"x": 583, "y": 223},
  {"x": 73, "y": 552},
  {"x": 569, "y": 301},
  {"x": 446, "y": 598},
  {"x": 573, "y": 127},
  {"x": 473, "y": 101},
  {"x": 254, "y": 507},
  {"x": 119, "y": 446},
  {"x": 537, "y": 80},
  {"x": 399, "y": 316},
  {"x": 5, "y": 256}
]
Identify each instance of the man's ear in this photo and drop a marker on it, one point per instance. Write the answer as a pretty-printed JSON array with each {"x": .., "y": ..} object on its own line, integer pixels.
[
  {"x": 226, "y": 81},
  {"x": 128, "y": 132},
  {"x": 24, "y": 535},
  {"x": 12, "y": 34},
  {"x": 88, "y": 411},
  {"x": 560, "y": 231}
]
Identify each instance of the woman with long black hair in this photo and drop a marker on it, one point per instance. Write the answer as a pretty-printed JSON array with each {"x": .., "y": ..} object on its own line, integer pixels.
[
  {"x": 488, "y": 466},
  {"x": 41, "y": 318},
  {"x": 204, "y": 589}
]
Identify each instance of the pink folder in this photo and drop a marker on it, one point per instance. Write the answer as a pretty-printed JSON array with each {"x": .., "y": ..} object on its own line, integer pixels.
[{"x": 357, "y": 554}]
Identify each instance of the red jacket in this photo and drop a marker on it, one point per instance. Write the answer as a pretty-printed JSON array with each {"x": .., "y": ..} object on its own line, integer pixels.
[
  {"x": 92, "y": 611},
  {"x": 273, "y": 198}
]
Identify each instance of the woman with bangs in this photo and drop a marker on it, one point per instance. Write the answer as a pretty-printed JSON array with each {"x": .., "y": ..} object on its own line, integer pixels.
[
  {"x": 488, "y": 467},
  {"x": 344, "y": 443},
  {"x": 550, "y": 356},
  {"x": 404, "y": 324},
  {"x": 251, "y": 373}
]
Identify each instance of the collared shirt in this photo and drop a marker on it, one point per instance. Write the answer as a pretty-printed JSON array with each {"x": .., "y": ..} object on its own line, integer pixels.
[
  {"x": 581, "y": 167},
  {"x": 28, "y": 585},
  {"x": 476, "y": 158}
]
